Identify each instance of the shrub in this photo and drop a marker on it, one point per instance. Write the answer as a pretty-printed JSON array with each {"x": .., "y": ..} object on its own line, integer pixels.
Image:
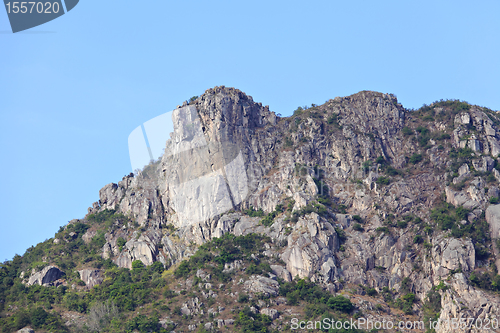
[
  {"x": 415, "y": 158},
  {"x": 407, "y": 131},
  {"x": 405, "y": 303},
  {"x": 418, "y": 239},
  {"x": 402, "y": 224},
  {"x": 341, "y": 235},
  {"x": 298, "y": 111},
  {"x": 493, "y": 200},
  {"x": 38, "y": 317},
  {"x": 137, "y": 265},
  {"x": 340, "y": 303},
  {"x": 383, "y": 180},
  {"x": 242, "y": 298},
  {"x": 120, "y": 242},
  {"x": 391, "y": 171},
  {"x": 357, "y": 218},
  {"x": 367, "y": 165},
  {"x": 357, "y": 227},
  {"x": 254, "y": 213},
  {"x": 144, "y": 324},
  {"x": 384, "y": 230}
]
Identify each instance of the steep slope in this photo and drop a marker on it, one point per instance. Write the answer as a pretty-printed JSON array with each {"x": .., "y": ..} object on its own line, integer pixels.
[{"x": 394, "y": 208}]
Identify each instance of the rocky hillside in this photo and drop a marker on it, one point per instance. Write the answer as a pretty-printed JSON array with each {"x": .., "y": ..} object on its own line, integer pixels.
[{"x": 355, "y": 209}]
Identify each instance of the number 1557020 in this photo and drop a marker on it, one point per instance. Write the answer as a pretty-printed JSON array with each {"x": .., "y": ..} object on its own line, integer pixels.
[{"x": 32, "y": 7}]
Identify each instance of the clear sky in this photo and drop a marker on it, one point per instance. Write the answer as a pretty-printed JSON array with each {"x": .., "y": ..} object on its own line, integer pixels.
[{"x": 72, "y": 90}]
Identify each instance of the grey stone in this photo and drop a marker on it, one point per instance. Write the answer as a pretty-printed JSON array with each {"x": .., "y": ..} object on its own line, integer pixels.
[
  {"x": 91, "y": 277},
  {"x": 261, "y": 284},
  {"x": 26, "y": 330},
  {"x": 272, "y": 313},
  {"x": 46, "y": 276}
]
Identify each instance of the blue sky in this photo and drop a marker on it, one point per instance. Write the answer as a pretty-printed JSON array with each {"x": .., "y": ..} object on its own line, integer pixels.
[{"x": 72, "y": 90}]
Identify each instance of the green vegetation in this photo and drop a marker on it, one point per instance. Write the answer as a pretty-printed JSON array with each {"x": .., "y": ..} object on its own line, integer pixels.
[
  {"x": 37, "y": 317},
  {"x": 357, "y": 227},
  {"x": 357, "y": 218},
  {"x": 367, "y": 165},
  {"x": 383, "y": 180},
  {"x": 298, "y": 111},
  {"x": 333, "y": 119},
  {"x": 432, "y": 307},
  {"x": 120, "y": 242},
  {"x": 407, "y": 131},
  {"x": 488, "y": 280},
  {"x": 303, "y": 290},
  {"x": 269, "y": 219},
  {"x": 415, "y": 158},
  {"x": 459, "y": 157},
  {"x": 249, "y": 321},
  {"x": 288, "y": 142},
  {"x": 254, "y": 213},
  {"x": 447, "y": 217},
  {"x": 222, "y": 250},
  {"x": 144, "y": 324}
]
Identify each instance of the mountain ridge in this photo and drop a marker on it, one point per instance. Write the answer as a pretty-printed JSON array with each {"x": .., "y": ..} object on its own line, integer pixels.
[{"x": 356, "y": 192}]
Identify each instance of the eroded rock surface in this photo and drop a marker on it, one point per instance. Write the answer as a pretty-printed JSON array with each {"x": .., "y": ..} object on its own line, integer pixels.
[{"x": 45, "y": 277}]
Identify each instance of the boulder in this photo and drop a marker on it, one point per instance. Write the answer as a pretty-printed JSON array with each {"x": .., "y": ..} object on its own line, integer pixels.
[
  {"x": 26, "y": 330},
  {"x": 272, "y": 313},
  {"x": 145, "y": 249},
  {"x": 46, "y": 276},
  {"x": 91, "y": 277},
  {"x": 452, "y": 254},
  {"x": 87, "y": 237},
  {"x": 261, "y": 284},
  {"x": 282, "y": 272}
]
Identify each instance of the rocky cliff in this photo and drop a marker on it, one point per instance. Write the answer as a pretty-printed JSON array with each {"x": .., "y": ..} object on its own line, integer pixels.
[{"x": 356, "y": 194}]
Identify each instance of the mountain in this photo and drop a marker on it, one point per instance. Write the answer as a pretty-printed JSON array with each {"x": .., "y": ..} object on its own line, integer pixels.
[{"x": 357, "y": 209}]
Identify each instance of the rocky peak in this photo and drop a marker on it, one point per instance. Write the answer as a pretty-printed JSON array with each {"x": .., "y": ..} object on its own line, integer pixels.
[
  {"x": 233, "y": 108},
  {"x": 350, "y": 192}
]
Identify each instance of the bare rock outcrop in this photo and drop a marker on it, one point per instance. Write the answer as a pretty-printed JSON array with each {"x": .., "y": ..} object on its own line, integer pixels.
[
  {"x": 46, "y": 277},
  {"x": 493, "y": 218},
  {"x": 311, "y": 248},
  {"x": 464, "y": 301},
  {"x": 451, "y": 254},
  {"x": 262, "y": 284},
  {"x": 353, "y": 154},
  {"x": 91, "y": 277},
  {"x": 26, "y": 330}
]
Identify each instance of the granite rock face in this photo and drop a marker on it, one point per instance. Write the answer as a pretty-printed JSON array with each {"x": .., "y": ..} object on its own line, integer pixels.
[
  {"x": 228, "y": 153},
  {"x": 26, "y": 330},
  {"x": 262, "y": 284},
  {"x": 45, "y": 277},
  {"x": 91, "y": 277}
]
